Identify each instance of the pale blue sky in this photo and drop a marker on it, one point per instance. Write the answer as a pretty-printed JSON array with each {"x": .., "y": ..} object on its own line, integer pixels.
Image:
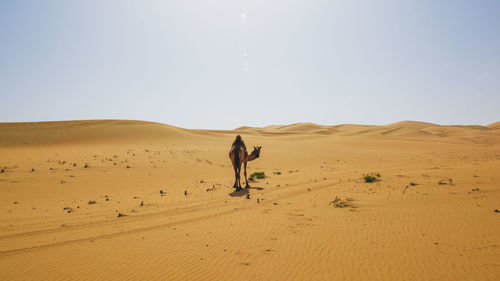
[{"x": 223, "y": 64}]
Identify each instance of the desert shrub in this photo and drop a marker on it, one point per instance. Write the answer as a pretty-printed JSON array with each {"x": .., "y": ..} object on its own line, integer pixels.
[
  {"x": 257, "y": 175},
  {"x": 369, "y": 179}
]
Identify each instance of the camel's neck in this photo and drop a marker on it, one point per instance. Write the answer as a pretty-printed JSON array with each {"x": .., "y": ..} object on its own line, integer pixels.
[{"x": 251, "y": 157}]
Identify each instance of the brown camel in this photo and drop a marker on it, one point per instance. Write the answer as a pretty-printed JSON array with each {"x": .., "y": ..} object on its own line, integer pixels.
[{"x": 238, "y": 155}]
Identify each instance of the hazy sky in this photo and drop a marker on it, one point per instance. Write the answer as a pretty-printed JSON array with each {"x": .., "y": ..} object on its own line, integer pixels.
[{"x": 223, "y": 64}]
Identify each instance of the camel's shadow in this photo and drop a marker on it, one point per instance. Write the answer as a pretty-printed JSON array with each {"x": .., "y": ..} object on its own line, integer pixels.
[{"x": 243, "y": 192}]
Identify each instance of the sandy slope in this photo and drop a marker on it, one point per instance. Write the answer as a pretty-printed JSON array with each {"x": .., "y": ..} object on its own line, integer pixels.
[{"x": 430, "y": 216}]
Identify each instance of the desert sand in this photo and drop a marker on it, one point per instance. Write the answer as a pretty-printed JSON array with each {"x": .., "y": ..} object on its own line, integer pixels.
[{"x": 133, "y": 200}]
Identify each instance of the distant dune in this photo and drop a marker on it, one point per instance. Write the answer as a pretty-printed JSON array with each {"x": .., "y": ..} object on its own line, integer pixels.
[
  {"x": 102, "y": 131},
  {"x": 495, "y": 125},
  {"x": 404, "y": 129}
]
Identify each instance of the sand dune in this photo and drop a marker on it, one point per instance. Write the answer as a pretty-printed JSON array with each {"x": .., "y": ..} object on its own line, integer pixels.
[
  {"x": 134, "y": 200},
  {"x": 406, "y": 129},
  {"x": 92, "y": 131},
  {"x": 495, "y": 125}
]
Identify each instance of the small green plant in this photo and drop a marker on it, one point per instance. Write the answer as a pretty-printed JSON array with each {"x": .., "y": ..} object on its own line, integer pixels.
[
  {"x": 378, "y": 175},
  {"x": 370, "y": 179},
  {"x": 258, "y": 175}
]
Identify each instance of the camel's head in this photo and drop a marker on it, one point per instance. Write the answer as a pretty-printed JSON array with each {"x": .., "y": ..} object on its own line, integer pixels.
[{"x": 256, "y": 151}]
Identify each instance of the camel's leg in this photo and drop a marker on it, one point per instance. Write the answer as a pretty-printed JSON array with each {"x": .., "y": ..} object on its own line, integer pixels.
[
  {"x": 235, "y": 177},
  {"x": 239, "y": 180},
  {"x": 246, "y": 180}
]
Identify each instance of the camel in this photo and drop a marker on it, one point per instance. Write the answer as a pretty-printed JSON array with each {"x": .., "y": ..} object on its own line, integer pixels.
[{"x": 238, "y": 155}]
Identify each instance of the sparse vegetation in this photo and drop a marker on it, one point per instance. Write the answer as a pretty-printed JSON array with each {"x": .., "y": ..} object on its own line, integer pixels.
[
  {"x": 369, "y": 179},
  {"x": 257, "y": 175},
  {"x": 91, "y": 202}
]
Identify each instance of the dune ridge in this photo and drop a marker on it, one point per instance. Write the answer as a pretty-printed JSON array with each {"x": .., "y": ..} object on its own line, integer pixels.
[
  {"x": 495, "y": 125},
  {"x": 404, "y": 129},
  {"x": 84, "y": 131},
  {"x": 96, "y": 131}
]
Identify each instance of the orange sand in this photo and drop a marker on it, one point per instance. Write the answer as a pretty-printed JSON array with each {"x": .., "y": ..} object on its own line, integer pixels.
[{"x": 429, "y": 216}]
